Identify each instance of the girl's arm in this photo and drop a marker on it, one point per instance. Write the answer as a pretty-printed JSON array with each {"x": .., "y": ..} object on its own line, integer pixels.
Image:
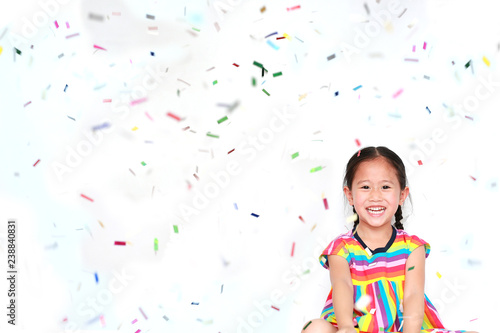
[
  {"x": 413, "y": 295},
  {"x": 342, "y": 294}
]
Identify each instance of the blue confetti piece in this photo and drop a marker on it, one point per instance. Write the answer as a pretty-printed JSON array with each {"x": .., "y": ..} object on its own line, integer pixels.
[
  {"x": 195, "y": 303},
  {"x": 235, "y": 206},
  {"x": 274, "y": 46},
  {"x": 428, "y": 109},
  {"x": 253, "y": 214},
  {"x": 65, "y": 88},
  {"x": 357, "y": 87},
  {"x": 273, "y": 33},
  {"x": 96, "y": 278},
  {"x": 336, "y": 93}
]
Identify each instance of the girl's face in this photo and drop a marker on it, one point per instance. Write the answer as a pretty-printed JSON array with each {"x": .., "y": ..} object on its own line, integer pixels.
[{"x": 375, "y": 192}]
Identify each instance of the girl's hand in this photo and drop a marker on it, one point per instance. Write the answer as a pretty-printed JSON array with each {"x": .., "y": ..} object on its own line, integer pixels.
[{"x": 347, "y": 330}]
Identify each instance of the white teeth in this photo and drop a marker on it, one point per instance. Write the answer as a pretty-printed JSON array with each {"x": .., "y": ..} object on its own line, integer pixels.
[{"x": 376, "y": 210}]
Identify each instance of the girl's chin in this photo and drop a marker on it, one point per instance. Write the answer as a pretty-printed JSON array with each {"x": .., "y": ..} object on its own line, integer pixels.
[{"x": 375, "y": 222}]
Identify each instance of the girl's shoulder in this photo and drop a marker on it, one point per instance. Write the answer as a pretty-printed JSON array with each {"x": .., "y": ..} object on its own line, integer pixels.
[
  {"x": 400, "y": 233},
  {"x": 343, "y": 237},
  {"x": 341, "y": 240},
  {"x": 411, "y": 241}
]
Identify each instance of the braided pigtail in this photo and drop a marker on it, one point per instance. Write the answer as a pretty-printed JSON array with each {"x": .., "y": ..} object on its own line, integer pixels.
[
  {"x": 399, "y": 217},
  {"x": 357, "y": 218}
]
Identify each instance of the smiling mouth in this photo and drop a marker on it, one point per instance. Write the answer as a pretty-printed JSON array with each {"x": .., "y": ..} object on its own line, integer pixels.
[{"x": 376, "y": 210}]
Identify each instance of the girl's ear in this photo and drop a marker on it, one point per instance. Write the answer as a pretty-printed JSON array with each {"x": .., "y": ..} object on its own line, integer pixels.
[
  {"x": 348, "y": 194},
  {"x": 404, "y": 195}
]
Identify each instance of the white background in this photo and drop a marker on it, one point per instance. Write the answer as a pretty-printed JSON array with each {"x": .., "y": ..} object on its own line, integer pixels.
[{"x": 231, "y": 263}]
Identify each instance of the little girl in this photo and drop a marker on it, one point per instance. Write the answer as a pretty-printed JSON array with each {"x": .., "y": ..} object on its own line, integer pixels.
[{"x": 377, "y": 270}]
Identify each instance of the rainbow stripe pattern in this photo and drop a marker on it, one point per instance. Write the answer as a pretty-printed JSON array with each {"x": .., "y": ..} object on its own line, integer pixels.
[{"x": 378, "y": 283}]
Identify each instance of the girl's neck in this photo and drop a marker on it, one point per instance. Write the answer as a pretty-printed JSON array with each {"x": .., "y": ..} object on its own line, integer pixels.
[{"x": 377, "y": 235}]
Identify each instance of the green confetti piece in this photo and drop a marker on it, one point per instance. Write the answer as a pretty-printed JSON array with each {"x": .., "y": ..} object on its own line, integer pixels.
[
  {"x": 215, "y": 82},
  {"x": 156, "y": 244},
  {"x": 196, "y": 29},
  {"x": 264, "y": 90},
  {"x": 468, "y": 64},
  {"x": 222, "y": 120},
  {"x": 309, "y": 323},
  {"x": 176, "y": 229},
  {"x": 254, "y": 82},
  {"x": 306, "y": 272},
  {"x": 143, "y": 163},
  {"x": 212, "y": 135},
  {"x": 412, "y": 267},
  {"x": 316, "y": 169},
  {"x": 295, "y": 155},
  {"x": 277, "y": 74},
  {"x": 258, "y": 64},
  {"x": 18, "y": 51}
]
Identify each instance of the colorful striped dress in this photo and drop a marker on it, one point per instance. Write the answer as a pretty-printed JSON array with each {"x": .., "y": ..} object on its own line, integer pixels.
[{"x": 379, "y": 274}]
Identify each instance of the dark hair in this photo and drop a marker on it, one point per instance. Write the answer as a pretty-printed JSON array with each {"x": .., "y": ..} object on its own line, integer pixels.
[{"x": 371, "y": 153}]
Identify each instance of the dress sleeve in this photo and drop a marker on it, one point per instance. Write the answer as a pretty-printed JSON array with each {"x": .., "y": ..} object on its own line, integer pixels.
[
  {"x": 336, "y": 247},
  {"x": 415, "y": 242}
]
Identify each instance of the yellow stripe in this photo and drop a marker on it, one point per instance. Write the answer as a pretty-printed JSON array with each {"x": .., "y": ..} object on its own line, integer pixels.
[{"x": 364, "y": 283}]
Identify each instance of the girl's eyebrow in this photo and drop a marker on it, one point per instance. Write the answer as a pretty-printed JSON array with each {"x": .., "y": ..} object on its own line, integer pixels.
[{"x": 382, "y": 181}]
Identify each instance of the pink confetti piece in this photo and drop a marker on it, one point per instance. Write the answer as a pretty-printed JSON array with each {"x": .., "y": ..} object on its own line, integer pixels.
[
  {"x": 138, "y": 331},
  {"x": 472, "y": 178},
  {"x": 147, "y": 115},
  {"x": 275, "y": 308},
  {"x": 116, "y": 13},
  {"x": 325, "y": 202},
  {"x": 359, "y": 152},
  {"x": 425, "y": 45},
  {"x": 170, "y": 114},
  {"x": 103, "y": 322},
  {"x": 145, "y": 317},
  {"x": 397, "y": 93},
  {"x": 56, "y": 24},
  {"x": 293, "y": 248},
  {"x": 99, "y": 47},
  {"x": 107, "y": 100},
  {"x": 86, "y": 197},
  {"x": 138, "y": 101},
  {"x": 300, "y": 217},
  {"x": 26, "y": 104},
  {"x": 474, "y": 319},
  {"x": 134, "y": 321},
  {"x": 67, "y": 25},
  {"x": 411, "y": 59},
  {"x": 413, "y": 50},
  {"x": 120, "y": 243},
  {"x": 39, "y": 161},
  {"x": 358, "y": 143},
  {"x": 180, "y": 80},
  {"x": 73, "y": 35},
  {"x": 293, "y": 8},
  {"x": 420, "y": 162}
]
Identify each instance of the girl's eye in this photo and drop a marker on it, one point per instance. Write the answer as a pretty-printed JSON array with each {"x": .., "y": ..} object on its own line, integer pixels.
[
  {"x": 385, "y": 187},
  {"x": 365, "y": 187}
]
